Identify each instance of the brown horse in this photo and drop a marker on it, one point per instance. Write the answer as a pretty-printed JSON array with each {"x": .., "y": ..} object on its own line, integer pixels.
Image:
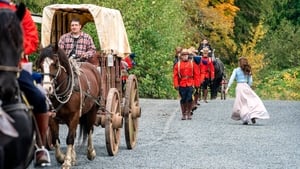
[{"x": 74, "y": 90}]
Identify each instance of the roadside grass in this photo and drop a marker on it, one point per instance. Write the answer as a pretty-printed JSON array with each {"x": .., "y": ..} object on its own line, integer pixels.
[{"x": 279, "y": 85}]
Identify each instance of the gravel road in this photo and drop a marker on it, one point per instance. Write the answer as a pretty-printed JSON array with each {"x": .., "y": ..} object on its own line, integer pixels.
[{"x": 211, "y": 140}]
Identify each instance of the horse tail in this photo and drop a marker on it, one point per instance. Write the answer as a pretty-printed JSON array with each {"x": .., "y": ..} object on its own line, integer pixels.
[{"x": 83, "y": 129}]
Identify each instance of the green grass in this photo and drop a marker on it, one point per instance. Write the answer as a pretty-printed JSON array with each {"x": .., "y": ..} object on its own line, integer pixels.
[{"x": 280, "y": 85}]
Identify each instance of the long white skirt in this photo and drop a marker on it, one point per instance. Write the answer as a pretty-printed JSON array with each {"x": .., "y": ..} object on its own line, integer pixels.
[{"x": 247, "y": 104}]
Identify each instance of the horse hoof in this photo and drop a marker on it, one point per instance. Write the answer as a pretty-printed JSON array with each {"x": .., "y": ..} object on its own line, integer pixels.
[
  {"x": 60, "y": 158},
  {"x": 91, "y": 155},
  {"x": 65, "y": 166},
  {"x": 73, "y": 162}
]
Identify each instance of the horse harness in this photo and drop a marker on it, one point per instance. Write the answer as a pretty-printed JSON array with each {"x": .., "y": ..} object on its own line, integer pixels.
[{"x": 73, "y": 85}]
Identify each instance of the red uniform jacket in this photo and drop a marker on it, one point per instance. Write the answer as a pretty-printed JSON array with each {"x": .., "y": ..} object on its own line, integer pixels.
[
  {"x": 186, "y": 73},
  {"x": 207, "y": 69},
  {"x": 30, "y": 33},
  {"x": 126, "y": 64},
  {"x": 129, "y": 62}
]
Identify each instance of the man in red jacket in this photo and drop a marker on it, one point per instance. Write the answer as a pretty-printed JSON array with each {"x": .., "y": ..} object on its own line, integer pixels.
[
  {"x": 207, "y": 72},
  {"x": 25, "y": 80},
  {"x": 30, "y": 34},
  {"x": 185, "y": 78}
]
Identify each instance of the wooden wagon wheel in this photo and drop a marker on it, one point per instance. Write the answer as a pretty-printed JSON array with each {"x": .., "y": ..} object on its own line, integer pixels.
[
  {"x": 114, "y": 121},
  {"x": 132, "y": 111}
]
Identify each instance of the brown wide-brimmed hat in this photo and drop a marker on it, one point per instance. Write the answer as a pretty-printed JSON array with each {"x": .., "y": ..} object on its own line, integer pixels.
[{"x": 185, "y": 52}]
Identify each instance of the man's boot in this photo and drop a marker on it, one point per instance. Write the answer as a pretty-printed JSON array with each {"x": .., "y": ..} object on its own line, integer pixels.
[
  {"x": 205, "y": 91},
  {"x": 189, "y": 110},
  {"x": 183, "y": 111},
  {"x": 195, "y": 102},
  {"x": 42, "y": 157}
]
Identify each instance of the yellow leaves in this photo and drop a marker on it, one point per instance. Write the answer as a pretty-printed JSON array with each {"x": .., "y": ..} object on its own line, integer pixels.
[
  {"x": 287, "y": 76},
  {"x": 290, "y": 78},
  {"x": 255, "y": 59},
  {"x": 227, "y": 9},
  {"x": 220, "y": 16},
  {"x": 203, "y": 3},
  {"x": 283, "y": 85}
]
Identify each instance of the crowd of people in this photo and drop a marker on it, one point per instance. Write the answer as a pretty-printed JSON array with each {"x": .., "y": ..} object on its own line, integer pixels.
[
  {"x": 193, "y": 72},
  {"x": 75, "y": 43}
]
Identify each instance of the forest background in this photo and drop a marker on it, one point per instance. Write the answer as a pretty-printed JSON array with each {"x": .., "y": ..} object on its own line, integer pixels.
[{"x": 265, "y": 31}]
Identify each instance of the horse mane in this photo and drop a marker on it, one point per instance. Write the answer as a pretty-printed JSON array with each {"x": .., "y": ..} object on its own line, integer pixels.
[{"x": 11, "y": 39}]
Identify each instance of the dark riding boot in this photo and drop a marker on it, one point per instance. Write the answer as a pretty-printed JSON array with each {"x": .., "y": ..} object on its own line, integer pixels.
[
  {"x": 205, "y": 92},
  {"x": 189, "y": 110},
  {"x": 195, "y": 101},
  {"x": 183, "y": 111},
  {"x": 42, "y": 157}
]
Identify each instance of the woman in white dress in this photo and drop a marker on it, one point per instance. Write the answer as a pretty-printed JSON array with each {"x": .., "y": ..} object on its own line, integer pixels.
[{"x": 247, "y": 105}]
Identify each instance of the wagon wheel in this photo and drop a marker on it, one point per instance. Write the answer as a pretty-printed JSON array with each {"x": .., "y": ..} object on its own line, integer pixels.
[
  {"x": 113, "y": 122},
  {"x": 132, "y": 111}
]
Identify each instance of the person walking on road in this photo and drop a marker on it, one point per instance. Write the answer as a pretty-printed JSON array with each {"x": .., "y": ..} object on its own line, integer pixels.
[
  {"x": 207, "y": 72},
  {"x": 185, "y": 78},
  {"x": 247, "y": 105}
]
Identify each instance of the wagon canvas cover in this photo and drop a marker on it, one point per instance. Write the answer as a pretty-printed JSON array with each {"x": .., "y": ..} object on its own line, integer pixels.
[{"x": 109, "y": 24}]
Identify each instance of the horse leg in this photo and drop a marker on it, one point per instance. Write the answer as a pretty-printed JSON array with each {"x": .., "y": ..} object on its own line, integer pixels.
[
  {"x": 91, "y": 153},
  {"x": 73, "y": 155},
  {"x": 70, "y": 154},
  {"x": 68, "y": 158},
  {"x": 87, "y": 126},
  {"x": 213, "y": 90},
  {"x": 54, "y": 129}
]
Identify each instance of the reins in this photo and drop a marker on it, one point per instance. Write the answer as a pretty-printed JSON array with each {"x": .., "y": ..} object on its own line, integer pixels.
[{"x": 64, "y": 96}]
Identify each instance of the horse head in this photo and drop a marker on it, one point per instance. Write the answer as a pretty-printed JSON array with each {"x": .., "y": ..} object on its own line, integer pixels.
[
  {"x": 52, "y": 61},
  {"x": 11, "y": 48}
]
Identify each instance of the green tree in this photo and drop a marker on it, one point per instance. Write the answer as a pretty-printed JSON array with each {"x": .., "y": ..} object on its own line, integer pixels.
[
  {"x": 154, "y": 29},
  {"x": 282, "y": 53},
  {"x": 247, "y": 18}
]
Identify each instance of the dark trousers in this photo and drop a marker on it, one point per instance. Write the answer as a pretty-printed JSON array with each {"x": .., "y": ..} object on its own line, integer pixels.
[
  {"x": 34, "y": 96},
  {"x": 186, "y": 94}
]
